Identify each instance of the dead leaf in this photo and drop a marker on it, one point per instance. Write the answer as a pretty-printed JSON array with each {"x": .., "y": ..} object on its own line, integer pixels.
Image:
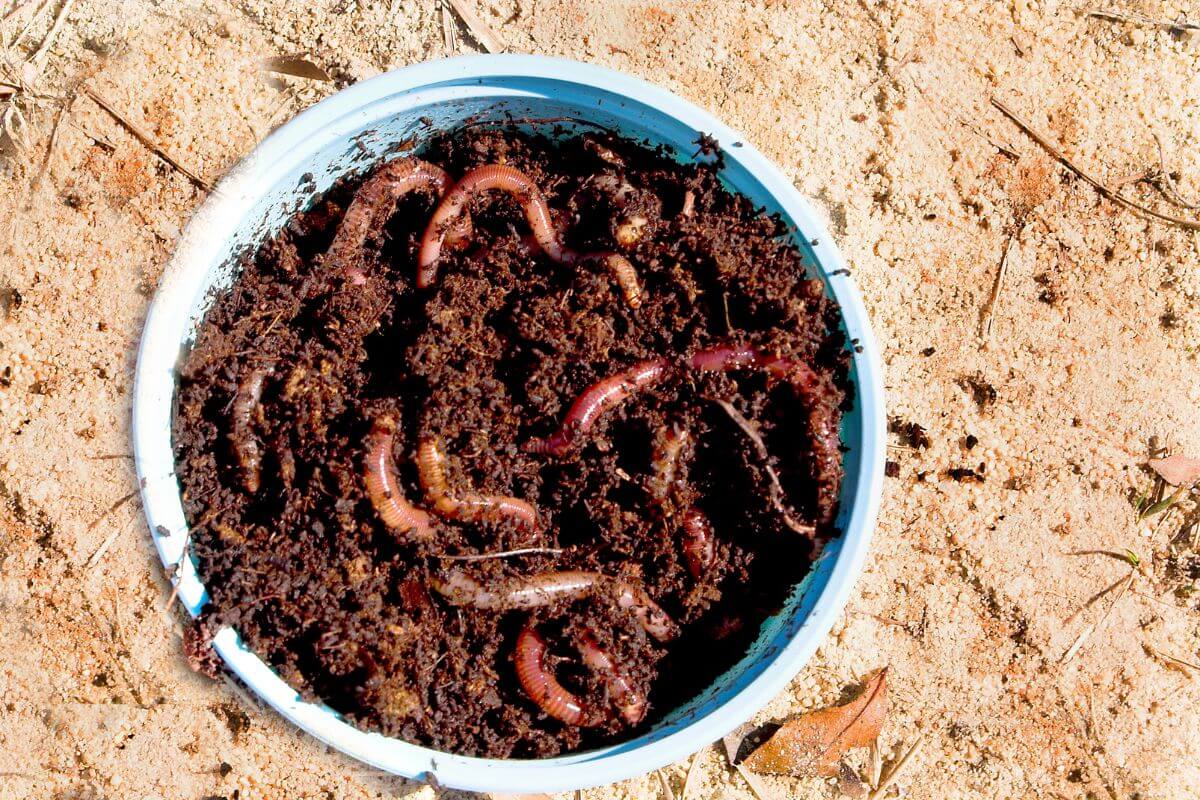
[
  {"x": 849, "y": 784},
  {"x": 295, "y": 66},
  {"x": 1177, "y": 470},
  {"x": 814, "y": 743},
  {"x": 733, "y": 743}
]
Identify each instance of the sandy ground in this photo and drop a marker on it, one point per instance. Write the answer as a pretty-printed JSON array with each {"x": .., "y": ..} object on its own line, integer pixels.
[{"x": 879, "y": 111}]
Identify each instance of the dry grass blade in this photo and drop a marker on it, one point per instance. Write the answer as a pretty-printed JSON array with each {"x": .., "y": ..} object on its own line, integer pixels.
[
  {"x": 504, "y": 554},
  {"x": 479, "y": 29},
  {"x": 1091, "y": 628},
  {"x": 44, "y": 167},
  {"x": 449, "y": 36},
  {"x": 1168, "y": 180},
  {"x": 668, "y": 792},
  {"x": 1137, "y": 208},
  {"x": 692, "y": 772},
  {"x": 122, "y": 501},
  {"x": 777, "y": 493},
  {"x": 898, "y": 768},
  {"x": 52, "y": 34},
  {"x": 296, "y": 67},
  {"x": 1186, "y": 666},
  {"x": 987, "y": 315},
  {"x": 146, "y": 139},
  {"x": 1141, "y": 20}
]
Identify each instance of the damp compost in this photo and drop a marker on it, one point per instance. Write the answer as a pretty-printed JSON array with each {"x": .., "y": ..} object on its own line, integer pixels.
[{"x": 509, "y": 447}]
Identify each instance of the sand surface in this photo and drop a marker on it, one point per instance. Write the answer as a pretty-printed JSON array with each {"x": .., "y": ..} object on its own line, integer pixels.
[{"x": 975, "y": 594}]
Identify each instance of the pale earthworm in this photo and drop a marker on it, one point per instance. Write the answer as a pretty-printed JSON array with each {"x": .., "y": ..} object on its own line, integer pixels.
[
  {"x": 540, "y": 684},
  {"x": 630, "y": 703},
  {"x": 383, "y": 485},
  {"x": 431, "y": 469},
  {"x": 597, "y": 399},
  {"x": 666, "y": 486},
  {"x": 548, "y": 587},
  {"x": 246, "y": 406},
  {"x": 374, "y": 202},
  {"x": 537, "y": 215}
]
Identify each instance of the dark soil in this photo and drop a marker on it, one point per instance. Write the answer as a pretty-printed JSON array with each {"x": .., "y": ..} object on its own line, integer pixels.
[{"x": 491, "y": 356}]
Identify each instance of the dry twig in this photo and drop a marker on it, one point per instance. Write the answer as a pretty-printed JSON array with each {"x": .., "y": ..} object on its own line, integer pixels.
[
  {"x": 504, "y": 554},
  {"x": 1172, "y": 188},
  {"x": 987, "y": 315},
  {"x": 146, "y": 139},
  {"x": 897, "y": 768},
  {"x": 1137, "y": 208},
  {"x": 52, "y": 34},
  {"x": 777, "y": 493},
  {"x": 483, "y": 33},
  {"x": 1141, "y": 20}
]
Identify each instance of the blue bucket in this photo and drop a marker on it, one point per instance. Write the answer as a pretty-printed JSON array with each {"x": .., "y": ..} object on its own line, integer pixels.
[{"x": 350, "y": 132}]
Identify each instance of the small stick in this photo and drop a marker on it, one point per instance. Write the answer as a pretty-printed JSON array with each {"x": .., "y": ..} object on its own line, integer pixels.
[
  {"x": 1172, "y": 659},
  {"x": 895, "y": 771},
  {"x": 666, "y": 786},
  {"x": 61, "y": 18},
  {"x": 113, "y": 508},
  {"x": 1172, "y": 187},
  {"x": 103, "y": 548},
  {"x": 692, "y": 772},
  {"x": 448, "y": 34},
  {"x": 45, "y": 165},
  {"x": 1091, "y": 628},
  {"x": 777, "y": 493},
  {"x": 95, "y": 137},
  {"x": 1141, "y": 20},
  {"x": 146, "y": 139},
  {"x": 1137, "y": 208},
  {"x": 482, "y": 32},
  {"x": 987, "y": 315},
  {"x": 504, "y": 554}
]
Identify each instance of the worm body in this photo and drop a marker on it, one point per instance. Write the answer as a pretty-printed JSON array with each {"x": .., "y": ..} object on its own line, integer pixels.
[
  {"x": 630, "y": 703},
  {"x": 537, "y": 213},
  {"x": 724, "y": 358},
  {"x": 699, "y": 545},
  {"x": 550, "y": 587},
  {"x": 246, "y": 404},
  {"x": 541, "y": 685},
  {"x": 383, "y": 485},
  {"x": 431, "y": 467},
  {"x": 373, "y": 204},
  {"x": 453, "y": 205},
  {"x": 595, "y": 400}
]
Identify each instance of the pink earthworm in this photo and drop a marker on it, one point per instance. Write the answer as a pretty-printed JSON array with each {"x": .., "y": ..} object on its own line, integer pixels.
[
  {"x": 597, "y": 399},
  {"x": 699, "y": 543},
  {"x": 246, "y": 405},
  {"x": 431, "y": 468},
  {"x": 373, "y": 203},
  {"x": 383, "y": 485},
  {"x": 541, "y": 685},
  {"x": 537, "y": 214},
  {"x": 631, "y": 703},
  {"x": 548, "y": 587},
  {"x": 822, "y": 425}
]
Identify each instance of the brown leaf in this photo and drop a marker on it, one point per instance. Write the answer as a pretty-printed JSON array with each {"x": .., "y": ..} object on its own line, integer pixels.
[
  {"x": 295, "y": 66},
  {"x": 1177, "y": 470},
  {"x": 814, "y": 743}
]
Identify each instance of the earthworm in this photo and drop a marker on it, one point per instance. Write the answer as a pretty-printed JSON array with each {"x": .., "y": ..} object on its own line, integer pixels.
[
  {"x": 631, "y": 703},
  {"x": 545, "y": 588},
  {"x": 825, "y": 436},
  {"x": 375, "y": 199},
  {"x": 541, "y": 686},
  {"x": 699, "y": 547},
  {"x": 537, "y": 214},
  {"x": 383, "y": 485},
  {"x": 431, "y": 468},
  {"x": 594, "y": 401},
  {"x": 246, "y": 404}
]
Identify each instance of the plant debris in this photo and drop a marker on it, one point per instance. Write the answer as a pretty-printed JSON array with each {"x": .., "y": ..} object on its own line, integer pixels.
[
  {"x": 1177, "y": 470},
  {"x": 814, "y": 743},
  {"x": 981, "y": 391},
  {"x": 968, "y": 475},
  {"x": 296, "y": 67},
  {"x": 911, "y": 434}
]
